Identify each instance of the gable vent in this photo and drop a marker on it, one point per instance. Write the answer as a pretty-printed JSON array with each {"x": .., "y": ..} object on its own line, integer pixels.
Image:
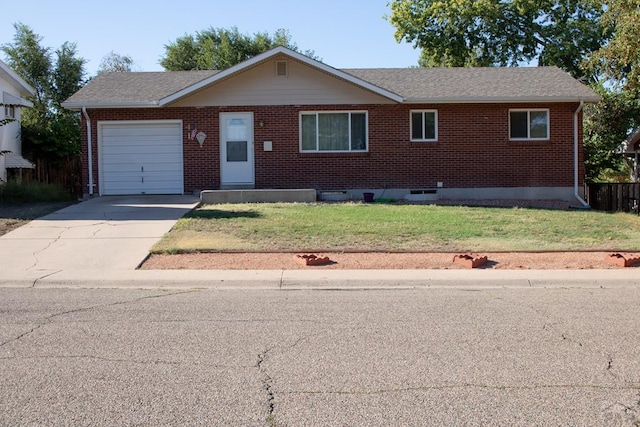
[{"x": 282, "y": 69}]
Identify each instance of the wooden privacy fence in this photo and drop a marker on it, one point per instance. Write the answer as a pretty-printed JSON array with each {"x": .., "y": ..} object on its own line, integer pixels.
[
  {"x": 64, "y": 172},
  {"x": 614, "y": 196}
]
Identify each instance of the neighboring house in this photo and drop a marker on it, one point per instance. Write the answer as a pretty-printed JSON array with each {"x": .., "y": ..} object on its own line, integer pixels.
[
  {"x": 632, "y": 149},
  {"x": 282, "y": 120},
  {"x": 13, "y": 90}
]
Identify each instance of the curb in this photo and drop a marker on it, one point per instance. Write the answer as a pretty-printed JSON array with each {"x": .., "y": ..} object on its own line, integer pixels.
[{"x": 327, "y": 280}]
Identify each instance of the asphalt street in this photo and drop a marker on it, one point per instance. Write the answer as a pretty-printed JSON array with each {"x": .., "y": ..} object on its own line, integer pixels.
[{"x": 367, "y": 357}]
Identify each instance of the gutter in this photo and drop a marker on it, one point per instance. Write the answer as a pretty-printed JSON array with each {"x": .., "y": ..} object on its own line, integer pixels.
[
  {"x": 89, "y": 150},
  {"x": 576, "y": 169}
]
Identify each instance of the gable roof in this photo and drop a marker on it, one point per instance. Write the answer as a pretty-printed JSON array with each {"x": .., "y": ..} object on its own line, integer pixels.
[
  {"x": 408, "y": 85},
  {"x": 632, "y": 143}
]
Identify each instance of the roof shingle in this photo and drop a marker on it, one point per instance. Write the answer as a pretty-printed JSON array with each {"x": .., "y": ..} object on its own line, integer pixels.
[
  {"x": 413, "y": 85},
  {"x": 477, "y": 84},
  {"x": 136, "y": 87}
]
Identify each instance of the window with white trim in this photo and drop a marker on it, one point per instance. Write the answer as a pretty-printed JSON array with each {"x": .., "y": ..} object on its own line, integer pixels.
[
  {"x": 529, "y": 124},
  {"x": 424, "y": 125},
  {"x": 336, "y": 131}
]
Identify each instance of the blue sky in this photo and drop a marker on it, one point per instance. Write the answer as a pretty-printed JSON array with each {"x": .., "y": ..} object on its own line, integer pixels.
[{"x": 344, "y": 33}]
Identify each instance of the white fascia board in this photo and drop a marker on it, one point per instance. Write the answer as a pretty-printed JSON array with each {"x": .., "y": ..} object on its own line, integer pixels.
[
  {"x": 9, "y": 99},
  {"x": 272, "y": 53},
  {"x": 23, "y": 87},
  {"x": 79, "y": 105},
  {"x": 492, "y": 100}
]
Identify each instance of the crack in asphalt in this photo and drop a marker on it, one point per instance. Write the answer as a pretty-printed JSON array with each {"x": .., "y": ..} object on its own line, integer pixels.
[
  {"x": 266, "y": 385},
  {"x": 267, "y": 380},
  {"x": 49, "y": 319}
]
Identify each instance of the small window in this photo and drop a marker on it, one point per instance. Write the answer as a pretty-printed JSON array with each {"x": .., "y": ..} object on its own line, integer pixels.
[
  {"x": 529, "y": 124},
  {"x": 424, "y": 125},
  {"x": 9, "y": 112},
  {"x": 333, "y": 131}
]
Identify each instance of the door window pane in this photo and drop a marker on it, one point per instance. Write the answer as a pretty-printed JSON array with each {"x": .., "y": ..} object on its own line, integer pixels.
[
  {"x": 237, "y": 151},
  {"x": 237, "y": 130}
]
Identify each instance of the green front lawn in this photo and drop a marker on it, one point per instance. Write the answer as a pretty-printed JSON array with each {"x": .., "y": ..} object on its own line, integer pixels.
[{"x": 281, "y": 227}]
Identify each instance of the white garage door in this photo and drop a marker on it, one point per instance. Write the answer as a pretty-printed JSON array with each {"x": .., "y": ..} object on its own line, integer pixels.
[{"x": 141, "y": 158}]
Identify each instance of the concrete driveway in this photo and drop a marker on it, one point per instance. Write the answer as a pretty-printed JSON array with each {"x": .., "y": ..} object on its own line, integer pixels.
[{"x": 104, "y": 233}]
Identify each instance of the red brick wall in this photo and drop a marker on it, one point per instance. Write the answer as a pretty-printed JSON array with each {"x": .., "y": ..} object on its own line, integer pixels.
[{"x": 473, "y": 148}]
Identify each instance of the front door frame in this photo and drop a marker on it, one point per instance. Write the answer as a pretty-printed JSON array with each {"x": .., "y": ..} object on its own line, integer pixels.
[{"x": 230, "y": 173}]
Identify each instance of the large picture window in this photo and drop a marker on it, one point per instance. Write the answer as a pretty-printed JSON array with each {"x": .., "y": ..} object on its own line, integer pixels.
[
  {"x": 529, "y": 124},
  {"x": 424, "y": 125},
  {"x": 333, "y": 131}
]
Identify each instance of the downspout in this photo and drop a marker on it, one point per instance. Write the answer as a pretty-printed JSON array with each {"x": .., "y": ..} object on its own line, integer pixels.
[
  {"x": 89, "y": 150},
  {"x": 576, "y": 168}
]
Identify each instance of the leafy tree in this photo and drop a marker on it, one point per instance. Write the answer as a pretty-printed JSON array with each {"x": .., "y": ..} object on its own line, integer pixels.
[
  {"x": 114, "y": 62},
  {"x": 220, "y": 48},
  {"x": 501, "y": 32},
  {"x": 48, "y": 130},
  {"x": 617, "y": 66},
  {"x": 619, "y": 60},
  {"x": 606, "y": 125}
]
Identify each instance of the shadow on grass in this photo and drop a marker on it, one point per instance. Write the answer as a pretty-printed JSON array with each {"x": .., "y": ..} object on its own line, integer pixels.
[{"x": 220, "y": 214}]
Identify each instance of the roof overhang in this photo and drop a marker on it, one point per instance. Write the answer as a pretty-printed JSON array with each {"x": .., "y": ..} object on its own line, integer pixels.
[
  {"x": 8, "y": 99},
  {"x": 80, "y": 105},
  {"x": 16, "y": 81},
  {"x": 16, "y": 161},
  {"x": 494, "y": 100},
  {"x": 263, "y": 57}
]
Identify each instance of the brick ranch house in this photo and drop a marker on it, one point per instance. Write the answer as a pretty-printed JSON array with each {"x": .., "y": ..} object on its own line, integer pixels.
[{"x": 281, "y": 120}]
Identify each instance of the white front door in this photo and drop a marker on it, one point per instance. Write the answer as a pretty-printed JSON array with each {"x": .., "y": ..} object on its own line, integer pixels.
[{"x": 236, "y": 150}]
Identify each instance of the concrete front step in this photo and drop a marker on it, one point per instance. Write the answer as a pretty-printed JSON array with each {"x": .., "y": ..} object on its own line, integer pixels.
[{"x": 257, "y": 196}]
